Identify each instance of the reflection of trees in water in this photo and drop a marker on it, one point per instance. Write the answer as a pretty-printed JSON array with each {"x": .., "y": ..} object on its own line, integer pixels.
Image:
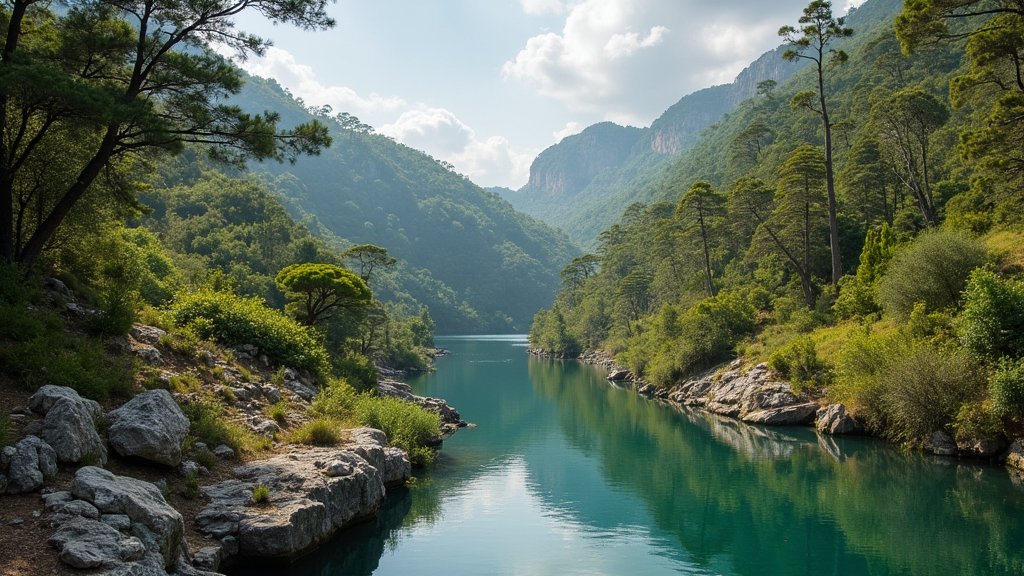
[{"x": 751, "y": 500}]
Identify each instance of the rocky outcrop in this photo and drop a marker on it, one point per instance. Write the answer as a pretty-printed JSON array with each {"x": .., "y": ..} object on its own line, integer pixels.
[
  {"x": 940, "y": 443},
  {"x": 27, "y": 464},
  {"x": 1015, "y": 457},
  {"x": 752, "y": 396},
  {"x": 835, "y": 420},
  {"x": 70, "y": 428},
  {"x": 150, "y": 426},
  {"x": 157, "y": 525},
  {"x": 450, "y": 417},
  {"x": 313, "y": 492}
]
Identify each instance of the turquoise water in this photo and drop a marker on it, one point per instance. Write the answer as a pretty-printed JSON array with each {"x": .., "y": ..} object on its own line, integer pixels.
[{"x": 568, "y": 475}]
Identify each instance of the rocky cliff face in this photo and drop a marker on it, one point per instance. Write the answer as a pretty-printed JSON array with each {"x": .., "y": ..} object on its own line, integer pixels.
[{"x": 564, "y": 169}]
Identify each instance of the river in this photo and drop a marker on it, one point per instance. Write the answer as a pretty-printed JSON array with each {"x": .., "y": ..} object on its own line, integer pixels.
[{"x": 566, "y": 474}]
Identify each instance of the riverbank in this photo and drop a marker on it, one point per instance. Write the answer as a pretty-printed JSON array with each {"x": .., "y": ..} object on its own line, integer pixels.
[
  {"x": 218, "y": 456},
  {"x": 755, "y": 395}
]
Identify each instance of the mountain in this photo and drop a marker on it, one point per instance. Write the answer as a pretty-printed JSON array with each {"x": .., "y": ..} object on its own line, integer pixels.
[
  {"x": 583, "y": 183},
  {"x": 478, "y": 264}
]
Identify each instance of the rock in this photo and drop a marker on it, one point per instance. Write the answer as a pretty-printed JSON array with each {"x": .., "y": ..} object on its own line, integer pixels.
[
  {"x": 154, "y": 522},
  {"x": 46, "y": 396},
  {"x": 833, "y": 419},
  {"x": 84, "y": 543},
  {"x": 148, "y": 354},
  {"x": 940, "y": 443},
  {"x": 224, "y": 452},
  {"x": 192, "y": 468},
  {"x": 149, "y": 426},
  {"x": 147, "y": 334},
  {"x": 33, "y": 461},
  {"x": 54, "y": 500},
  {"x": 16, "y": 522},
  {"x": 783, "y": 415},
  {"x": 56, "y": 286},
  {"x": 3, "y": 483},
  {"x": 618, "y": 375},
  {"x": 301, "y": 390},
  {"x": 391, "y": 462},
  {"x": 1015, "y": 456},
  {"x": 6, "y": 454},
  {"x": 403, "y": 391},
  {"x": 119, "y": 522},
  {"x": 70, "y": 428},
  {"x": 207, "y": 558},
  {"x": 314, "y": 493},
  {"x": 78, "y": 508},
  {"x": 982, "y": 447}
]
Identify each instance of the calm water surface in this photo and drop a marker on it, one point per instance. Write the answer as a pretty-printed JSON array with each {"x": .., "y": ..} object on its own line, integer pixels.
[{"x": 568, "y": 475}]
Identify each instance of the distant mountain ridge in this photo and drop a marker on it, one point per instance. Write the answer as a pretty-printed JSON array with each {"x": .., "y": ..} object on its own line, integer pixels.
[
  {"x": 479, "y": 265},
  {"x": 589, "y": 169}
]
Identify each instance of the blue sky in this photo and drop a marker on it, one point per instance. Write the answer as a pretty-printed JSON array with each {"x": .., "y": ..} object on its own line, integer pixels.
[{"x": 488, "y": 84}]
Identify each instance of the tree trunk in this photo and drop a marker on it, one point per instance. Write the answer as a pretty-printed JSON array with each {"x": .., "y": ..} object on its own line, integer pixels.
[{"x": 830, "y": 185}]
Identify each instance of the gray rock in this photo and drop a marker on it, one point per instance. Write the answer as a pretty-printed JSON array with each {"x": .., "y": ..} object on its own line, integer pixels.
[
  {"x": 372, "y": 446},
  {"x": 787, "y": 415},
  {"x": 33, "y": 461},
  {"x": 46, "y": 396},
  {"x": 147, "y": 334},
  {"x": 834, "y": 419},
  {"x": 70, "y": 428},
  {"x": 154, "y": 521},
  {"x": 314, "y": 492},
  {"x": 6, "y": 454},
  {"x": 940, "y": 443},
  {"x": 53, "y": 500},
  {"x": 191, "y": 467},
  {"x": 58, "y": 287},
  {"x": 119, "y": 522},
  {"x": 307, "y": 393},
  {"x": 224, "y": 452},
  {"x": 982, "y": 447},
  {"x": 84, "y": 543},
  {"x": 16, "y": 522},
  {"x": 618, "y": 375},
  {"x": 207, "y": 558},
  {"x": 78, "y": 508},
  {"x": 148, "y": 354},
  {"x": 149, "y": 426}
]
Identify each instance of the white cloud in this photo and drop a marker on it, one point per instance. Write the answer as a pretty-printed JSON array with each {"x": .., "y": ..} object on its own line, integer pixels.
[
  {"x": 570, "y": 129},
  {"x": 539, "y": 7},
  {"x": 628, "y": 60},
  {"x": 491, "y": 161},
  {"x": 302, "y": 81}
]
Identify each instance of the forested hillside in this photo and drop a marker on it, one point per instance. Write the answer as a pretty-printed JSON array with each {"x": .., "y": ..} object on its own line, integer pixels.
[
  {"x": 598, "y": 197},
  {"x": 468, "y": 255},
  {"x": 908, "y": 304}
]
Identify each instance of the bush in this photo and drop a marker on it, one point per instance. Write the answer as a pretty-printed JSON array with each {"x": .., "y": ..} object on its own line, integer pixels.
[
  {"x": 234, "y": 320},
  {"x": 933, "y": 269},
  {"x": 992, "y": 323},
  {"x": 923, "y": 390},
  {"x": 976, "y": 420},
  {"x": 336, "y": 400},
  {"x": 191, "y": 489},
  {"x": 856, "y": 298},
  {"x": 798, "y": 362},
  {"x": 261, "y": 494},
  {"x": 209, "y": 426},
  {"x": 1006, "y": 389},
  {"x": 358, "y": 370},
  {"x": 407, "y": 426},
  {"x": 322, "y": 431},
  {"x": 279, "y": 412}
]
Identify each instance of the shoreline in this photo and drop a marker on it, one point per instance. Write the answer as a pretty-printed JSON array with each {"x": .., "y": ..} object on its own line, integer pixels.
[{"x": 755, "y": 396}]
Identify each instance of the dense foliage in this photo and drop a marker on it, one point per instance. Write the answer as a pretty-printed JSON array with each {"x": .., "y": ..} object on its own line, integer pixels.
[{"x": 737, "y": 252}]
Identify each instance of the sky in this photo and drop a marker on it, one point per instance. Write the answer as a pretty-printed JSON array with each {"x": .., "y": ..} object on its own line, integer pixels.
[{"x": 488, "y": 84}]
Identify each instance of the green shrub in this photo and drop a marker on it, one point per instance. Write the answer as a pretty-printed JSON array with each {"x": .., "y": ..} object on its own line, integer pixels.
[
  {"x": 209, "y": 425},
  {"x": 932, "y": 269},
  {"x": 976, "y": 420},
  {"x": 856, "y": 298},
  {"x": 1006, "y": 389},
  {"x": 279, "y": 412},
  {"x": 234, "y": 320},
  {"x": 407, "y": 426},
  {"x": 191, "y": 489},
  {"x": 206, "y": 458},
  {"x": 992, "y": 323},
  {"x": 550, "y": 333},
  {"x": 923, "y": 390},
  {"x": 186, "y": 383},
  {"x": 798, "y": 362},
  {"x": 322, "y": 431},
  {"x": 261, "y": 494},
  {"x": 358, "y": 370},
  {"x": 335, "y": 400}
]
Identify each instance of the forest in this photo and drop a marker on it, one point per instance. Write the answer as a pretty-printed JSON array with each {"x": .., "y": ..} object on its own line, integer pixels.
[{"x": 858, "y": 227}]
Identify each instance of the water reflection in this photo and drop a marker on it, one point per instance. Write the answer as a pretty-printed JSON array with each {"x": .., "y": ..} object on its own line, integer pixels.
[{"x": 568, "y": 475}]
